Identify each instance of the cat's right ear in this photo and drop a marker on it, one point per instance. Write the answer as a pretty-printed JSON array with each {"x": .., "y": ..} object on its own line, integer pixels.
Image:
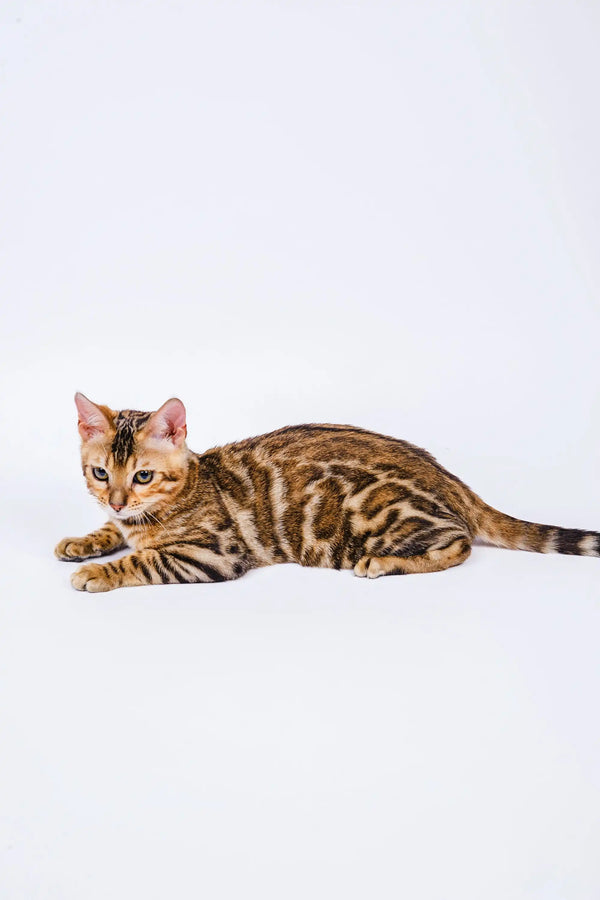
[{"x": 92, "y": 421}]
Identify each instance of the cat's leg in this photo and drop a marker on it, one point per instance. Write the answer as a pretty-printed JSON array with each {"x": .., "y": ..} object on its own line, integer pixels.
[
  {"x": 430, "y": 561},
  {"x": 155, "y": 567},
  {"x": 105, "y": 540}
]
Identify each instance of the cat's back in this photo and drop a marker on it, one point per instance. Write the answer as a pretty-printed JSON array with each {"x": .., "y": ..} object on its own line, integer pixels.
[
  {"x": 328, "y": 445},
  {"x": 319, "y": 442}
]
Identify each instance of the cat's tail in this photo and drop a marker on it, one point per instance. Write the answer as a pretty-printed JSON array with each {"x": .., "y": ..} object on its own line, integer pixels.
[{"x": 501, "y": 530}]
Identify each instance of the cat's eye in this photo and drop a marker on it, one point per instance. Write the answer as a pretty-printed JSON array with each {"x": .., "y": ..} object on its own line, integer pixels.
[
  {"x": 143, "y": 476},
  {"x": 99, "y": 473}
]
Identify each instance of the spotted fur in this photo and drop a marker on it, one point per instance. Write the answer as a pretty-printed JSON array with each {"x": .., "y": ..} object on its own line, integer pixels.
[{"x": 318, "y": 495}]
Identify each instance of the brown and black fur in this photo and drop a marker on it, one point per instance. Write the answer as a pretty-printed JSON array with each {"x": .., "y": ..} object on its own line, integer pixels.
[{"x": 318, "y": 495}]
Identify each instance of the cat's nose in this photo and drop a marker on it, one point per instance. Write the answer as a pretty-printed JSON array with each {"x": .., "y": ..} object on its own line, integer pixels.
[{"x": 117, "y": 506}]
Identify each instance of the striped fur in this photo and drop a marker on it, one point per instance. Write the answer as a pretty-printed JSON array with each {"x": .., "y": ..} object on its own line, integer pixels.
[{"x": 318, "y": 495}]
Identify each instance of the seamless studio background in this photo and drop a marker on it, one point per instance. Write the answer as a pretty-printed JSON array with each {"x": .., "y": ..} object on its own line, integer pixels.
[{"x": 374, "y": 213}]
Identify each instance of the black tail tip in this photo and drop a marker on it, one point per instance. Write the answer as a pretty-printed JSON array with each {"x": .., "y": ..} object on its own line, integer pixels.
[{"x": 576, "y": 542}]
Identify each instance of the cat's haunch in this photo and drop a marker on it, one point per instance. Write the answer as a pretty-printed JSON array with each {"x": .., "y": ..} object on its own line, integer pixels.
[{"x": 318, "y": 495}]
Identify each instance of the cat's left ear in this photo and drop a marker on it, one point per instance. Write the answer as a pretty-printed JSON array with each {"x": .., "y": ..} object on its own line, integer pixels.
[{"x": 168, "y": 422}]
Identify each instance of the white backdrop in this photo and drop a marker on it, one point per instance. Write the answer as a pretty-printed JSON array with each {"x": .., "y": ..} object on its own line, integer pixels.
[{"x": 382, "y": 214}]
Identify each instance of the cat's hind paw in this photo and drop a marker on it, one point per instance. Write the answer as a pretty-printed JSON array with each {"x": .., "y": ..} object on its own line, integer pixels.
[
  {"x": 374, "y": 566},
  {"x": 368, "y": 567},
  {"x": 93, "y": 578}
]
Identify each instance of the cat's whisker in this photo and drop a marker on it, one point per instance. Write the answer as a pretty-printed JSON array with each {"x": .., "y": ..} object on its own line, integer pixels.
[{"x": 157, "y": 520}]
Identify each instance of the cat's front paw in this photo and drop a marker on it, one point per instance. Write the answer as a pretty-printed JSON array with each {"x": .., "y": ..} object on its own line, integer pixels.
[
  {"x": 93, "y": 578},
  {"x": 76, "y": 549}
]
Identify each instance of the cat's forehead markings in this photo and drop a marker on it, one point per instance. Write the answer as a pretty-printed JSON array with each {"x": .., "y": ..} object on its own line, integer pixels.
[{"x": 127, "y": 423}]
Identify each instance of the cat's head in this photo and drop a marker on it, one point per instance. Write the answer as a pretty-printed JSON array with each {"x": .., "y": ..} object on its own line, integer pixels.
[{"x": 134, "y": 462}]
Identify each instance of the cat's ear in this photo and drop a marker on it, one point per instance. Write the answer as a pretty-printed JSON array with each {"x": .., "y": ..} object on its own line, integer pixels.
[
  {"x": 168, "y": 423},
  {"x": 92, "y": 420}
]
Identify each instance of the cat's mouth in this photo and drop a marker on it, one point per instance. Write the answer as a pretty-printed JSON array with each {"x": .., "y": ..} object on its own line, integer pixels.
[{"x": 139, "y": 515}]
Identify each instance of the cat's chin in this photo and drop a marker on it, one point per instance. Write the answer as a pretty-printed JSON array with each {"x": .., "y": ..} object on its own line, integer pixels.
[{"x": 127, "y": 515}]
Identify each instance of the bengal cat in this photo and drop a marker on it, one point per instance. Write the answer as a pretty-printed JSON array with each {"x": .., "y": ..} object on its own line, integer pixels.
[{"x": 318, "y": 495}]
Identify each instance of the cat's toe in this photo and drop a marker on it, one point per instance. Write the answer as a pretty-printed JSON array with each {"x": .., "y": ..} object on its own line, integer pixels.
[
  {"x": 375, "y": 568},
  {"x": 92, "y": 578},
  {"x": 62, "y": 548},
  {"x": 74, "y": 550},
  {"x": 360, "y": 569},
  {"x": 369, "y": 567}
]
